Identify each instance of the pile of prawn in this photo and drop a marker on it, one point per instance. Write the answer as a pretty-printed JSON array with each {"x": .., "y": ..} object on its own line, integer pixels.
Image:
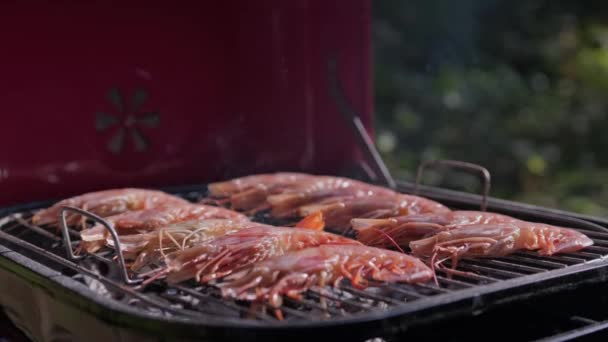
[
  {"x": 290, "y": 195},
  {"x": 459, "y": 234},
  {"x": 383, "y": 218},
  {"x": 165, "y": 237}
]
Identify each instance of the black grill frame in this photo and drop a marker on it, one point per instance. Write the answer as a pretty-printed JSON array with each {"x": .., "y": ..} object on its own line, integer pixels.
[{"x": 473, "y": 300}]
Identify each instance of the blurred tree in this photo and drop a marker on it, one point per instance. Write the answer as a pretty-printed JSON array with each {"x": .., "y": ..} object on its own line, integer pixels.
[{"x": 517, "y": 86}]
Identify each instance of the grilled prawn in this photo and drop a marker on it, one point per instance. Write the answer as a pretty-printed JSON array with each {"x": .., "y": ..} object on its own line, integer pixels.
[
  {"x": 165, "y": 215},
  {"x": 404, "y": 229},
  {"x": 296, "y": 194},
  {"x": 293, "y": 273},
  {"x": 286, "y": 204},
  {"x": 493, "y": 240},
  {"x": 338, "y": 211},
  {"x": 153, "y": 246},
  {"x": 107, "y": 203},
  {"x": 136, "y": 221},
  {"x": 250, "y": 193},
  {"x": 221, "y": 256}
]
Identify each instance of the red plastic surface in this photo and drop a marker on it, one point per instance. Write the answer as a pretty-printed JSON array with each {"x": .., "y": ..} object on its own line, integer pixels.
[{"x": 107, "y": 94}]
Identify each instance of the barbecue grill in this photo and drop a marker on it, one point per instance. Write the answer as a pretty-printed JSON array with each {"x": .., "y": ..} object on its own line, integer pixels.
[
  {"x": 54, "y": 294},
  {"x": 95, "y": 289}
]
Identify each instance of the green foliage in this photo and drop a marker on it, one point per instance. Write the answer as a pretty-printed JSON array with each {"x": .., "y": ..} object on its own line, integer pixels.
[{"x": 520, "y": 87}]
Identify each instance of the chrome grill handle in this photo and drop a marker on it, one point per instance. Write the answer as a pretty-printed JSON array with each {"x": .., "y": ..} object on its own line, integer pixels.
[
  {"x": 456, "y": 164},
  {"x": 107, "y": 225}
]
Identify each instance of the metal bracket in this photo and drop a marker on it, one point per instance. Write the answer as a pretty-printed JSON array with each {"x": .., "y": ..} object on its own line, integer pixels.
[
  {"x": 455, "y": 164},
  {"x": 107, "y": 225},
  {"x": 354, "y": 120}
]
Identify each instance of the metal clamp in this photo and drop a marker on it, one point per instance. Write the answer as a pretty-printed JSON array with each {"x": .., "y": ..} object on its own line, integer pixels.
[
  {"x": 107, "y": 225},
  {"x": 455, "y": 164}
]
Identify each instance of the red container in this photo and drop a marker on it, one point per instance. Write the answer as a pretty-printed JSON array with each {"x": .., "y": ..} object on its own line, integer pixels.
[{"x": 100, "y": 94}]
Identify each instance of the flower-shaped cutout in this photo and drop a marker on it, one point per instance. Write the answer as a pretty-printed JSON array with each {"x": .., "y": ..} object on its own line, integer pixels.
[{"x": 127, "y": 121}]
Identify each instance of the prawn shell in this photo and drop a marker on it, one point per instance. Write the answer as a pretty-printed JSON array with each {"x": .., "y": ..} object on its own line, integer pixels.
[
  {"x": 296, "y": 272},
  {"x": 151, "y": 219},
  {"x": 221, "y": 256},
  {"x": 107, "y": 203}
]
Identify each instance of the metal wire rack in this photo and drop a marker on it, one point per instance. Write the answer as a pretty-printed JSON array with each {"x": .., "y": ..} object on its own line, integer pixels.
[{"x": 101, "y": 273}]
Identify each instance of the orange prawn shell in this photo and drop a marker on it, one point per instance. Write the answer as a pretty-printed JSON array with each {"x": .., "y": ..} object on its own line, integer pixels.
[
  {"x": 237, "y": 185},
  {"x": 404, "y": 229},
  {"x": 492, "y": 240},
  {"x": 293, "y": 273},
  {"x": 108, "y": 202},
  {"x": 93, "y": 238},
  {"x": 221, "y": 256}
]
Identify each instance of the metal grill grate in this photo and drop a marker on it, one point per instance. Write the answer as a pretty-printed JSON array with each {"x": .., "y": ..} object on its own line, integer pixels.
[{"x": 189, "y": 300}]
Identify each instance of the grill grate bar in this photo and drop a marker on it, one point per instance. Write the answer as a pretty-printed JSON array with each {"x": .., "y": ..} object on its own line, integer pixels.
[
  {"x": 585, "y": 255},
  {"x": 452, "y": 281},
  {"x": 594, "y": 234},
  {"x": 12, "y": 224},
  {"x": 493, "y": 274},
  {"x": 296, "y": 313},
  {"x": 537, "y": 262},
  {"x": 327, "y": 310},
  {"x": 366, "y": 294},
  {"x": 207, "y": 296},
  {"x": 556, "y": 258},
  {"x": 404, "y": 289},
  {"x": 601, "y": 243},
  {"x": 467, "y": 274},
  {"x": 329, "y": 294},
  {"x": 199, "y": 305},
  {"x": 601, "y": 250},
  {"x": 36, "y": 229},
  {"x": 507, "y": 266},
  {"x": 429, "y": 287}
]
